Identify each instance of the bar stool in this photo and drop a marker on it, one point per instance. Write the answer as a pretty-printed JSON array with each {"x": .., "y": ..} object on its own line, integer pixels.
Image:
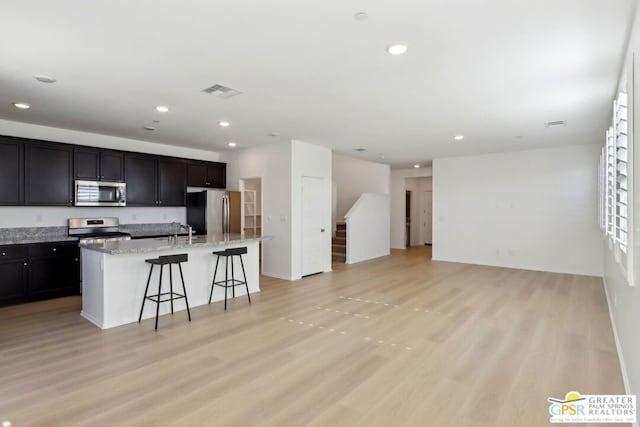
[
  {"x": 226, "y": 283},
  {"x": 157, "y": 298}
]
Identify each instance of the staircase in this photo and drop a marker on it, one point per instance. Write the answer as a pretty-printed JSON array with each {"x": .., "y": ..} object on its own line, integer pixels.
[{"x": 339, "y": 243}]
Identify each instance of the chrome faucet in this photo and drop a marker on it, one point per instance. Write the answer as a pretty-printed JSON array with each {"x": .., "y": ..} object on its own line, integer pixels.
[{"x": 185, "y": 227}]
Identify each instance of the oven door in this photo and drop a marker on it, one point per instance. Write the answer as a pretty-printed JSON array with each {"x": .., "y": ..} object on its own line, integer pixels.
[{"x": 100, "y": 193}]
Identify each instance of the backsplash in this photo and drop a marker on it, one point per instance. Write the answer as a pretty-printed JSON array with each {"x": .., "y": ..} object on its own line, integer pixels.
[{"x": 31, "y": 216}]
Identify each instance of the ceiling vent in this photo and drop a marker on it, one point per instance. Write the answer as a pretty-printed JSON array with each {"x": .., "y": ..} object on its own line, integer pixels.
[
  {"x": 555, "y": 124},
  {"x": 222, "y": 91}
]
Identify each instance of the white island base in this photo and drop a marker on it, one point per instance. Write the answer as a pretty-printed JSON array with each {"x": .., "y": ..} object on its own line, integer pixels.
[{"x": 114, "y": 277}]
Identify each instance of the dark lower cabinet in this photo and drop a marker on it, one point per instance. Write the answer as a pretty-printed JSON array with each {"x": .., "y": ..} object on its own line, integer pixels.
[
  {"x": 11, "y": 171},
  {"x": 48, "y": 174},
  {"x": 38, "y": 271}
]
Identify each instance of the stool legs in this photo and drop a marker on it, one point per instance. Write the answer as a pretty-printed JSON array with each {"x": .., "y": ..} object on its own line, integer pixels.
[
  {"x": 226, "y": 280},
  {"x": 159, "y": 291},
  {"x": 233, "y": 279},
  {"x": 215, "y": 272},
  {"x": 171, "y": 287},
  {"x": 146, "y": 289},
  {"x": 244, "y": 274},
  {"x": 186, "y": 301}
]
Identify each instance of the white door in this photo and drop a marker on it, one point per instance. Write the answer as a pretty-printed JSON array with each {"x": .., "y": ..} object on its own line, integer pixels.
[
  {"x": 427, "y": 214},
  {"x": 313, "y": 227}
]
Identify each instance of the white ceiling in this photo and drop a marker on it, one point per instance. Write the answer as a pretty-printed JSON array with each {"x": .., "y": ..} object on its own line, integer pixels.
[{"x": 494, "y": 71}]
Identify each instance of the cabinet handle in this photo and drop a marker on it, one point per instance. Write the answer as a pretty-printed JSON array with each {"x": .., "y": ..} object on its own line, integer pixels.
[
  {"x": 76, "y": 259},
  {"x": 24, "y": 264},
  {"x": 54, "y": 249},
  {"x": 3, "y": 254},
  {"x": 160, "y": 202}
]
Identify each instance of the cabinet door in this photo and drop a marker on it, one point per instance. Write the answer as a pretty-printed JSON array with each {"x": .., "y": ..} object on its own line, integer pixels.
[
  {"x": 11, "y": 171},
  {"x": 111, "y": 166},
  {"x": 48, "y": 174},
  {"x": 53, "y": 276},
  {"x": 172, "y": 182},
  {"x": 86, "y": 164},
  {"x": 13, "y": 283},
  {"x": 197, "y": 174},
  {"x": 141, "y": 173},
  {"x": 217, "y": 173}
]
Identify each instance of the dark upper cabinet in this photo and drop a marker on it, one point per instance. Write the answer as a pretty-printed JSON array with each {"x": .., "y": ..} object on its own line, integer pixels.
[
  {"x": 141, "y": 173},
  {"x": 111, "y": 166},
  {"x": 97, "y": 164},
  {"x": 48, "y": 174},
  {"x": 172, "y": 182},
  {"x": 11, "y": 171},
  {"x": 207, "y": 174}
]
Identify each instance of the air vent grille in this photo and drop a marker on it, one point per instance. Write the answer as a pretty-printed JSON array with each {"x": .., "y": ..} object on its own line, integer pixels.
[{"x": 222, "y": 91}]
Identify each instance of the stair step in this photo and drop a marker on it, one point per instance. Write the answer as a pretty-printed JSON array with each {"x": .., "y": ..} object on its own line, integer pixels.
[
  {"x": 338, "y": 249},
  {"x": 341, "y": 226},
  {"x": 341, "y": 234},
  {"x": 339, "y": 257},
  {"x": 339, "y": 241}
]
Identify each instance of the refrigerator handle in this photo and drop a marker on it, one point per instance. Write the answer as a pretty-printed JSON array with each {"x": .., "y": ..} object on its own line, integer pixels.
[{"x": 228, "y": 215}]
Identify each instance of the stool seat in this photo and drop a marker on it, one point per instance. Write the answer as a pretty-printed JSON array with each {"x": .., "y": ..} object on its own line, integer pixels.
[
  {"x": 166, "y": 296},
  {"x": 230, "y": 283}
]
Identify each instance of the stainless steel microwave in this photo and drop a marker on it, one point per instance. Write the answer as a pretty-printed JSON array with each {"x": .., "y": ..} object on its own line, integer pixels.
[{"x": 100, "y": 193}]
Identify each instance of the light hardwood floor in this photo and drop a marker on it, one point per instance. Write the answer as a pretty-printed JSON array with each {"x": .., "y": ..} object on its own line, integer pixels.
[{"x": 396, "y": 341}]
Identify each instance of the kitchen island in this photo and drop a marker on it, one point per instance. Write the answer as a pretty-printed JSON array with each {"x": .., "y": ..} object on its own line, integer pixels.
[{"x": 114, "y": 275}]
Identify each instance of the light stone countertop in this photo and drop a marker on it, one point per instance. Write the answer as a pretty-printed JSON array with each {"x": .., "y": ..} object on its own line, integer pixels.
[{"x": 140, "y": 246}]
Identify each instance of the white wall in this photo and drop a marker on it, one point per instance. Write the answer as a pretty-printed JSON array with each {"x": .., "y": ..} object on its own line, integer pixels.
[
  {"x": 311, "y": 161},
  {"x": 272, "y": 163},
  {"x": 34, "y": 216},
  {"x": 535, "y": 210},
  {"x": 354, "y": 177},
  {"x": 368, "y": 228},
  {"x": 47, "y": 133},
  {"x": 397, "y": 199},
  {"x": 624, "y": 299}
]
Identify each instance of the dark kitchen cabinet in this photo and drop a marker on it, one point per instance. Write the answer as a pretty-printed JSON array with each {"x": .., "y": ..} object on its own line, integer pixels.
[
  {"x": 48, "y": 174},
  {"x": 97, "y": 164},
  {"x": 13, "y": 271},
  {"x": 53, "y": 270},
  {"x": 11, "y": 171},
  {"x": 38, "y": 271},
  {"x": 172, "y": 182},
  {"x": 207, "y": 174},
  {"x": 141, "y": 174}
]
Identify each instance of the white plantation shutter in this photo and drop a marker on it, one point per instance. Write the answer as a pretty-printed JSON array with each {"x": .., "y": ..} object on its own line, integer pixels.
[
  {"x": 610, "y": 183},
  {"x": 622, "y": 167}
]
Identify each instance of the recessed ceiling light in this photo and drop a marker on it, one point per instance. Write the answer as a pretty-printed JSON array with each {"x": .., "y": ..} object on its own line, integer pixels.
[
  {"x": 458, "y": 137},
  {"x": 361, "y": 16},
  {"x": 44, "y": 79},
  {"x": 361, "y": 149},
  {"x": 416, "y": 166},
  {"x": 232, "y": 144},
  {"x": 21, "y": 105},
  {"x": 224, "y": 123},
  {"x": 397, "y": 49},
  {"x": 162, "y": 108},
  {"x": 151, "y": 128}
]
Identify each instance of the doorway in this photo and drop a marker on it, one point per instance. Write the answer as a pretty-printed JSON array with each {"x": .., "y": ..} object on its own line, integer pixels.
[
  {"x": 407, "y": 222},
  {"x": 313, "y": 227},
  {"x": 427, "y": 217},
  {"x": 251, "y": 209}
]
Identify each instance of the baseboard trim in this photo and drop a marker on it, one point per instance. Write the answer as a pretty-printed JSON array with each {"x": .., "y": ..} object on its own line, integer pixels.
[
  {"x": 92, "y": 319},
  {"x": 623, "y": 366},
  {"x": 276, "y": 276}
]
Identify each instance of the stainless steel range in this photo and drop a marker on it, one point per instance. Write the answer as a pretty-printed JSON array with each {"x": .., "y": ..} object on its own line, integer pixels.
[{"x": 96, "y": 230}]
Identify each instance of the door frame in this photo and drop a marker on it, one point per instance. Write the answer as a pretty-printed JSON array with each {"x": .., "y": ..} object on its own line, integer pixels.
[{"x": 262, "y": 222}]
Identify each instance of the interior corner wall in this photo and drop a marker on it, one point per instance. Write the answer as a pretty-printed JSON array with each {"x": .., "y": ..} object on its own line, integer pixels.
[
  {"x": 534, "y": 210},
  {"x": 398, "y": 207},
  {"x": 309, "y": 160},
  {"x": 272, "y": 163},
  {"x": 355, "y": 176}
]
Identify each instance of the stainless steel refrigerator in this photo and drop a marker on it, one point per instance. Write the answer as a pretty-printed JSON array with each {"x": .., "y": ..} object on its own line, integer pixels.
[{"x": 214, "y": 211}]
